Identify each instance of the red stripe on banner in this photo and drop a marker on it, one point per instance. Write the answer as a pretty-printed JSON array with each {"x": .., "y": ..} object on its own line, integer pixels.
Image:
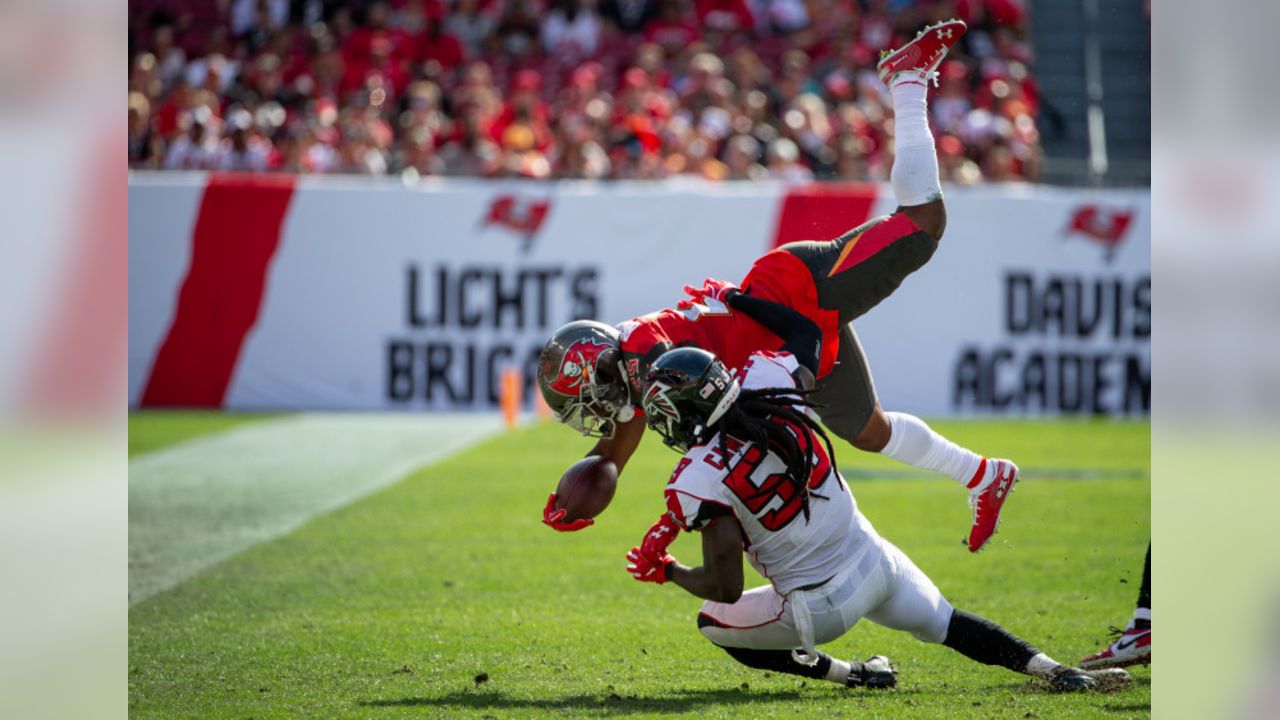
[
  {"x": 236, "y": 235},
  {"x": 77, "y": 364},
  {"x": 824, "y": 211}
]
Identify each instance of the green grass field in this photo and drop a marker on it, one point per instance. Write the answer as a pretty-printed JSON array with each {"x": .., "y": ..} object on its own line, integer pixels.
[
  {"x": 444, "y": 596},
  {"x": 149, "y": 431}
]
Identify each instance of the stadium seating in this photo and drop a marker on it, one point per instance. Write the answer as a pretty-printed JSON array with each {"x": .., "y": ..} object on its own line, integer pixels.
[{"x": 722, "y": 89}]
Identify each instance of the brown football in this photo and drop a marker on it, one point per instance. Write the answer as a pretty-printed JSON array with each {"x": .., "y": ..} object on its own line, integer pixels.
[{"x": 586, "y": 488}]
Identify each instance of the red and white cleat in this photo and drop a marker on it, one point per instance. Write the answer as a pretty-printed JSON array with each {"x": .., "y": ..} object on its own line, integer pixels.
[
  {"x": 988, "y": 501},
  {"x": 924, "y": 54},
  {"x": 1131, "y": 647}
]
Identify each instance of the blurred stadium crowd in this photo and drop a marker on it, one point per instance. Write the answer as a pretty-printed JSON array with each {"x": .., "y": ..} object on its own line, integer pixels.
[{"x": 722, "y": 89}]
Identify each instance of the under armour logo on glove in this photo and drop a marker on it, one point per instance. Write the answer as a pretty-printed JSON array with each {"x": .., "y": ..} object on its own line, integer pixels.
[{"x": 660, "y": 536}]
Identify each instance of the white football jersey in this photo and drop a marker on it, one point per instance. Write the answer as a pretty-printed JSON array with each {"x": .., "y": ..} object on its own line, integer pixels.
[{"x": 751, "y": 484}]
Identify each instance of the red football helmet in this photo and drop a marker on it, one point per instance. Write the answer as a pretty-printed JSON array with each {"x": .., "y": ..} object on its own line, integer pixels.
[{"x": 581, "y": 377}]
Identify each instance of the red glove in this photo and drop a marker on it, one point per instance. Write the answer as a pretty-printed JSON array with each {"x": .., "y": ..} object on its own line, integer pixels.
[
  {"x": 711, "y": 288},
  {"x": 660, "y": 536},
  {"x": 648, "y": 568},
  {"x": 555, "y": 517}
]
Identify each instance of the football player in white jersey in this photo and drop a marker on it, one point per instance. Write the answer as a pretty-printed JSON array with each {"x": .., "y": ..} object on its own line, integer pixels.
[{"x": 758, "y": 476}]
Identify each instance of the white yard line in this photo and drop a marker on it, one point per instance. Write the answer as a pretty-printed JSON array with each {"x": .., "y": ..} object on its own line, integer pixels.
[{"x": 197, "y": 503}]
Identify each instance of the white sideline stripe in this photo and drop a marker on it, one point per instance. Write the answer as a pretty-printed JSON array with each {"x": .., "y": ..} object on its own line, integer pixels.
[{"x": 197, "y": 503}]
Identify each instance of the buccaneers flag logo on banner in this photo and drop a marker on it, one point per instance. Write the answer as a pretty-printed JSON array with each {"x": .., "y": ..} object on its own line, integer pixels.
[
  {"x": 521, "y": 216},
  {"x": 1105, "y": 226}
]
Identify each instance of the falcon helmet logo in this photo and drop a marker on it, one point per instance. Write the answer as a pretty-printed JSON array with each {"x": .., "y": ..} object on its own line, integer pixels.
[{"x": 657, "y": 404}]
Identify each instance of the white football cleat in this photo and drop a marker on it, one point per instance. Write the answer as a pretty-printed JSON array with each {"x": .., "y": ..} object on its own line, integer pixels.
[{"x": 1131, "y": 647}]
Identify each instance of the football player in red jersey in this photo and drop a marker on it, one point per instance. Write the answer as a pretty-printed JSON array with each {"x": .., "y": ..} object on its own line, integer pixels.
[{"x": 802, "y": 293}]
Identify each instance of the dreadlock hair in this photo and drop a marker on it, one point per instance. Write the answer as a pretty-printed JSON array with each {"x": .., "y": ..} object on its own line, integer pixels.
[{"x": 767, "y": 416}]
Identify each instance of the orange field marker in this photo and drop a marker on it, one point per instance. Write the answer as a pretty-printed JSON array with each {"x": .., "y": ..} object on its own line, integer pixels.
[{"x": 509, "y": 396}]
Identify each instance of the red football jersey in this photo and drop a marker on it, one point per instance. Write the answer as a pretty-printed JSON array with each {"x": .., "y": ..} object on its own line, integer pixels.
[
  {"x": 730, "y": 334},
  {"x": 783, "y": 278},
  {"x": 712, "y": 326},
  {"x": 777, "y": 276}
]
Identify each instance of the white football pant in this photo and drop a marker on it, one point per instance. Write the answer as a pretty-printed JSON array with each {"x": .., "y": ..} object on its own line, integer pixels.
[{"x": 884, "y": 586}]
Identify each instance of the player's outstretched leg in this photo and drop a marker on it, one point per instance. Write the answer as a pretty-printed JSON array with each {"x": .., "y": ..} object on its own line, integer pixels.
[
  {"x": 914, "y": 604},
  {"x": 981, "y": 640},
  {"x": 858, "y": 270},
  {"x": 989, "y": 480},
  {"x": 850, "y": 411},
  {"x": 1132, "y": 645},
  {"x": 874, "y": 672},
  {"x": 907, "y": 72},
  {"x": 752, "y": 625}
]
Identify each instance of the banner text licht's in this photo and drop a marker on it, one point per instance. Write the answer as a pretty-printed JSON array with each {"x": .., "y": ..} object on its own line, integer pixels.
[{"x": 319, "y": 293}]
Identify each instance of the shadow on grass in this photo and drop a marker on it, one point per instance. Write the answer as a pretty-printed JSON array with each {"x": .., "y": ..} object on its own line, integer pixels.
[
  {"x": 1040, "y": 687},
  {"x": 613, "y": 704},
  {"x": 1127, "y": 708}
]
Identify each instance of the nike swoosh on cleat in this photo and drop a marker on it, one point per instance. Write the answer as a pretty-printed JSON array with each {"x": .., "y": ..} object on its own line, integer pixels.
[{"x": 1124, "y": 644}]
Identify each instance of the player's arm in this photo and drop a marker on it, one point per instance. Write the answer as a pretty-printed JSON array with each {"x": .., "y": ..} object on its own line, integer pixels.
[
  {"x": 720, "y": 576},
  {"x": 623, "y": 444},
  {"x": 619, "y": 448},
  {"x": 800, "y": 336}
]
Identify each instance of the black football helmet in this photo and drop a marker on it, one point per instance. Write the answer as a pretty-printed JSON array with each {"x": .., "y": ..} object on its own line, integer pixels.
[
  {"x": 581, "y": 377},
  {"x": 686, "y": 392}
]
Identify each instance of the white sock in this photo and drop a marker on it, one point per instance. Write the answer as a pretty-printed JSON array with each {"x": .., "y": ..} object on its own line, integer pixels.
[
  {"x": 911, "y": 441},
  {"x": 1140, "y": 614},
  {"x": 839, "y": 671},
  {"x": 915, "y": 161},
  {"x": 1042, "y": 666}
]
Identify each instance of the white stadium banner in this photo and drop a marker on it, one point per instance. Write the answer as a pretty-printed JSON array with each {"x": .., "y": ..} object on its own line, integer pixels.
[{"x": 273, "y": 292}]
